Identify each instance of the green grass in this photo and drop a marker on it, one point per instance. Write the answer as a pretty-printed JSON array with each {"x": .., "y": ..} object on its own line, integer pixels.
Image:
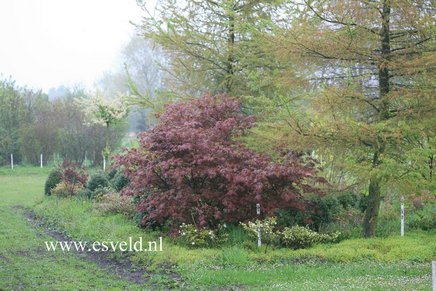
[
  {"x": 378, "y": 263},
  {"x": 315, "y": 276},
  {"x": 24, "y": 170},
  {"x": 24, "y": 261}
]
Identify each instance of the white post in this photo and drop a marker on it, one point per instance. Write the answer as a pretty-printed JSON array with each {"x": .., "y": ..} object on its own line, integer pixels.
[
  {"x": 104, "y": 164},
  {"x": 259, "y": 238},
  {"x": 40, "y": 160},
  {"x": 402, "y": 215},
  {"x": 12, "y": 161},
  {"x": 433, "y": 264}
]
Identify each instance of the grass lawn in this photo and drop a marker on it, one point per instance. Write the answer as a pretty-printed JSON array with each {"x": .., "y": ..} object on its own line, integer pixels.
[
  {"x": 379, "y": 263},
  {"x": 24, "y": 261}
]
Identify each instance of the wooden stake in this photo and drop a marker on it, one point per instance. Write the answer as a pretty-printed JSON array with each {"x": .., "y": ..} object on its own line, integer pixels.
[
  {"x": 259, "y": 237},
  {"x": 402, "y": 215},
  {"x": 433, "y": 264}
]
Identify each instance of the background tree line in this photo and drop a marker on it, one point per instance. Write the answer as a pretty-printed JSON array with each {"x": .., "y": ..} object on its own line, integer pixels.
[{"x": 31, "y": 124}]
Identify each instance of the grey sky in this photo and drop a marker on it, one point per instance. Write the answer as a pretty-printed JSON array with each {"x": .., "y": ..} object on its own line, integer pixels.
[{"x": 46, "y": 43}]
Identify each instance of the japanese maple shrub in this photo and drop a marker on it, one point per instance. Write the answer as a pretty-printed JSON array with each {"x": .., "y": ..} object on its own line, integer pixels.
[
  {"x": 190, "y": 168},
  {"x": 73, "y": 177}
]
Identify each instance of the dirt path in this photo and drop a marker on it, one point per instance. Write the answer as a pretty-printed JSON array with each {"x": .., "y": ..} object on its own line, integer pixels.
[
  {"x": 25, "y": 262},
  {"x": 123, "y": 268}
]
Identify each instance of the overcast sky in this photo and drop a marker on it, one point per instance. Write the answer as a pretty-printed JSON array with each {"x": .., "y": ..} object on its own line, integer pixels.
[{"x": 46, "y": 43}]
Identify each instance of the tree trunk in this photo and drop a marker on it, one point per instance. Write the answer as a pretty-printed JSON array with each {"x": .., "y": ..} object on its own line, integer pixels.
[
  {"x": 229, "y": 78},
  {"x": 372, "y": 209},
  {"x": 383, "y": 66},
  {"x": 371, "y": 213},
  {"x": 373, "y": 206}
]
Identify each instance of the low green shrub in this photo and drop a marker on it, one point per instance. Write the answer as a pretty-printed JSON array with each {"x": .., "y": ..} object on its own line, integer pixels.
[
  {"x": 198, "y": 238},
  {"x": 119, "y": 181},
  {"x": 86, "y": 193},
  {"x": 333, "y": 237},
  {"x": 295, "y": 237},
  {"x": 423, "y": 218},
  {"x": 102, "y": 191},
  {"x": 347, "y": 231},
  {"x": 298, "y": 237},
  {"x": 329, "y": 209},
  {"x": 63, "y": 190},
  {"x": 112, "y": 173},
  {"x": 115, "y": 203},
  {"x": 53, "y": 179},
  {"x": 97, "y": 180}
]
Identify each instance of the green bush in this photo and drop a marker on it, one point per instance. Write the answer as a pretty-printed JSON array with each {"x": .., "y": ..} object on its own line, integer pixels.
[
  {"x": 198, "y": 238},
  {"x": 53, "y": 179},
  {"x": 331, "y": 208},
  {"x": 423, "y": 218},
  {"x": 350, "y": 200},
  {"x": 298, "y": 237},
  {"x": 97, "y": 180},
  {"x": 333, "y": 237},
  {"x": 86, "y": 193},
  {"x": 349, "y": 225},
  {"x": 102, "y": 191},
  {"x": 115, "y": 203},
  {"x": 119, "y": 181},
  {"x": 63, "y": 190},
  {"x": 112, "y": 174}
]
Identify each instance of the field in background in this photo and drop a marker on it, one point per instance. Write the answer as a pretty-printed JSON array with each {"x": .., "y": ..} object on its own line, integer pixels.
[{"x": 380, "y": 263}]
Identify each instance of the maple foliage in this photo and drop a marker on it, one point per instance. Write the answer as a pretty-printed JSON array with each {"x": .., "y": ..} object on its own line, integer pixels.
[
  {"x": 73, "y": 176},
  {"x": 190, "y": 168}
]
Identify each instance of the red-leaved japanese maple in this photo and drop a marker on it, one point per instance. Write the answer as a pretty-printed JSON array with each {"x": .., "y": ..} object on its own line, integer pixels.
[{"x": 189, "y": 168}]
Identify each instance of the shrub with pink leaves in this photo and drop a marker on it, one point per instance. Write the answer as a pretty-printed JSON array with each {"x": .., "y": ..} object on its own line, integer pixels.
[
  {"x": 73, "y": 177},
  {"x": 191, "y": 169}
]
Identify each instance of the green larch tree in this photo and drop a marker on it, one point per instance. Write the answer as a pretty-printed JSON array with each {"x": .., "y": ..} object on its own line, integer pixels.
[{"x": 371, "y": 65}]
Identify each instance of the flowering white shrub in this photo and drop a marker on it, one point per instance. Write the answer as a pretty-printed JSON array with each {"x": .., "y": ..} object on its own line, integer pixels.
[
  {"x": 193, "y": 237},
  {"x": 103, "y": 111},
  {"x": 296, "y": 237},
  {"x": 268, "y": 233}
]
